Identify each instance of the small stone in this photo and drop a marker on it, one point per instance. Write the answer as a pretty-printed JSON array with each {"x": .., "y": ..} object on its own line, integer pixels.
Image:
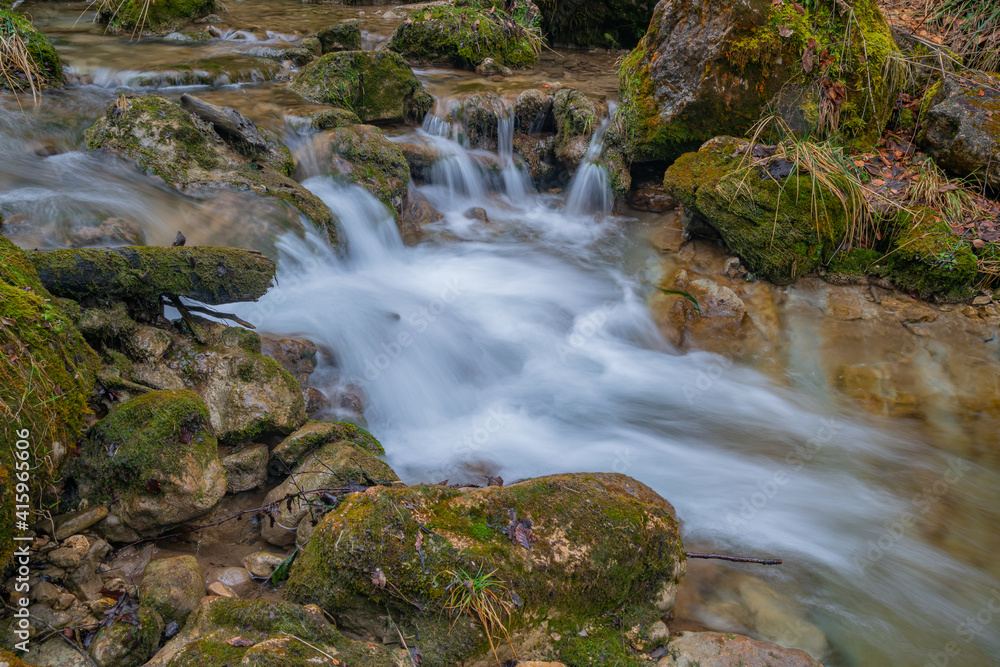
[
  {"x": 237, "y": 579},
  {"x": 490, "y": 67},
  {"x": 64, "y": 602},
  {"x": 76, "y": 522},
  {"x": 262, "y": 564},
  {"x": 45, "y": 593},
  {"x": 220, "y": 589},
  {"x": 98, "y": 607},
  {"x": 72, "y": 552},
  {"x": 477, "y": 213},
  {"x": 246, "y": 468},
  {"x": 981, "y": 301}
]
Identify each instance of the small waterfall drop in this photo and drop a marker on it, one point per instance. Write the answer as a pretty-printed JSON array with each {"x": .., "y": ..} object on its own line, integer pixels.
[{"x": 590, "y": 190}]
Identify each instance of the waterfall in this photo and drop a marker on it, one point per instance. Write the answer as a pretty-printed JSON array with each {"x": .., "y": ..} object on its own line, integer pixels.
[{"x": 590, "y": 190}]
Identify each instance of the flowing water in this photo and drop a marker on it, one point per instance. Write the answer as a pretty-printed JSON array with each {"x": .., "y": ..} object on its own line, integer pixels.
[{"x": 524, "y": 346}]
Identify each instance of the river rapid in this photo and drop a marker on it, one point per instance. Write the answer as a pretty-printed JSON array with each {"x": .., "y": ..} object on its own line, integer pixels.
[{"x": 527, "y": 346}]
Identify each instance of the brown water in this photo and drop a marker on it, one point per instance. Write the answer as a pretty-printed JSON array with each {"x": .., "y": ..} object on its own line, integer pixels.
[{"x": 909, "y": 392}]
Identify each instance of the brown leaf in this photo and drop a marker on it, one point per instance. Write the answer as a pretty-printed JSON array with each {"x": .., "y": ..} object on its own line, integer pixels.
[
  {"x": 7, "y": 322},
  {"x": 153, "y": 486},
  {"x": 187, "y": 435},
  {"x": 419, "y": 542},
  {"x": 239, "y": 641},
  {"x": 785, "y": 31},
  {"x": 978, "y": 243},
  {"x": 378, "y": 578},
  {"x": 878, "y": 182},
  {"x": 807, "y": 60},
  {"x": 951, "y": 187},
  {"x": 494, "y": 481},
  {"x": 523, "y": 535},
  {"x": 799, "y": 8}
]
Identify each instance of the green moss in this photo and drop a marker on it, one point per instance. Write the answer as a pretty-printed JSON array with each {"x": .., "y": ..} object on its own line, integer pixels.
[
  {"x": 856, "y": 262},
  {"x": 376, "y": 85},
  {"x": 345, "y": 35},
  {"x": 43, "y": 56},
  {"x": 140, "y": 641},
  {"x": 929, "y": 259},
  {"x": 578, "y": 568},
  {"x": 144, "y": 438},
  {"x": 466, "y": 33},
  {"x": 379, "y": 165},
  {"x": 47, "y": 374},
  {"x": 158, "y": 17},
  {"x": 12, "y": 660}
]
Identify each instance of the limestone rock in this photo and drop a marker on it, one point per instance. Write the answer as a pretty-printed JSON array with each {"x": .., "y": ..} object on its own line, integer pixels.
[
  {"x": 710, "y": 649},
  {"x": 246, "y": 469},
  {"x": 172, "y": 587},
  {"x": 262, "y": 563}
]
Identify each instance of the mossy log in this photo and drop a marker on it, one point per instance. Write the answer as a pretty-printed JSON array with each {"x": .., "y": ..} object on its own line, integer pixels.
[{"x": 141, "y": 275}]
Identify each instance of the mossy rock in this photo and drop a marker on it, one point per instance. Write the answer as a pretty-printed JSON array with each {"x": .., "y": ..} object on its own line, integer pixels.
[
  {"x": 576, "y": 120},
  {"x": 376, "y": 85},
  {"x": 781, "y": 228},
  {"x": 219, "y": 70},
  {"x": 324, "y": 120},
  {"x": 278, "y": 634},
  {"x": 343, "y": 36},
  {"x": 158, "y": 17},
  {"x": 929, "y": 259},
  {"x": 45, "y": 63},
  {"x": 463, "y": 34},
  {"x": 377, "y": 163},
  {"x": 123, "y": 644},
  {"x": 712, "y": 68},
  {"x": 156, "y": 457},
  {"x": 167, "y": 141},
  {"x": 293, "y": 449},
  {"x": 42, "y": 356},
  {"x": 618, "y": 24},
  {"x": 173, "y": 587},
  {"x": 605, "y": 543}
]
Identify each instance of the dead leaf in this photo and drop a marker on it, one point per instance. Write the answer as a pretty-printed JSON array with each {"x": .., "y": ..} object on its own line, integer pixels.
[
  {"x": 153, "y": 486},
  {"x": 807, "y": 60},
  {"x": 420, "y": 540},
  {"x": 785, "y": 31},
  {"x": 978, "y": 243},
  {"x": 378, "y": 578},
  {"x": 7, "y": 322},
  {"x": 239, "y": 641},
  {"x": 799, "y": 8},
  {"x": 494, "y": 481}
]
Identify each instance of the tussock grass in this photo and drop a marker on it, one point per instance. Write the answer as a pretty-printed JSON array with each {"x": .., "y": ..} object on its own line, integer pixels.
[
  {"x": 482, "y": 596},
  {"x": 971, "y": 28},
  {"x": 16, "y": 65}
]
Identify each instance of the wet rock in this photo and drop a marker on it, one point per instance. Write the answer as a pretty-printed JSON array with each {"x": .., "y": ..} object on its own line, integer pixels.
[
  {"x": 338, "y": 464},
  {"x": 221, "y": 70},
  {"x": 373, "y": 162},
  {"x": 83, "y": 581},
  {"x": 463, "y": 36},
  {"x": 477, "y": 213},
  {"x": 959, "y": 126},
  {"x": 297, "y": 356},
  {"x": 651, "y": 198},
  {"x": 929, "y": 260},
  {"x": 110, "y": 232},
  {"x": 246, "y": 468},
  {"x": 236, "y": 579},
  {"x": 418, "y": 212},
  {"x": 710, "y": 649},
  {"x": 71, "y": 553},
  {"x": 45, "y": 593},
  {"x": 560, "y": 530},
  {"x": 268, "y": 627},
  {"x": 710, "y": 69},
  {"x": 490, "y": 67},
  {"x": 148, "y": 343},
  {"x": 262, "y": 563},
  {"x": 45, "y": 63},
  {"x": 55, "y": 652},
  {"x": 45, "y": 351},
  {"x": 77, "y": 522},
  {"x": 771, "y": 225},
  {"x": 420, "y": 157},
  {"x": 220, "y": 589},
  {"x": 159, "y": 17},
  {"x": 172, "y": 587},
  {"x": 316, "y": 401},
  {"x": 143, "y": 275},
  {"x": 533, "y": 111},
  {"x": 123, "y": 644},
  {"x": 327, "y": 119},
  {"x": 376, "y": 85},
  {"x": 293, "y": 449},
  {"x": 538, "y": 154},
  {"x": 576, "y": 120},
  {"x": 186, "y": 152},
  {"x": 158, "y": 456},
  {"x": 343, "y": 36}
]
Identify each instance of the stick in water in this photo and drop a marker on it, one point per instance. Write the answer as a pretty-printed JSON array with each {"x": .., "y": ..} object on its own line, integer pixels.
[{"x": 737, "y": 559}]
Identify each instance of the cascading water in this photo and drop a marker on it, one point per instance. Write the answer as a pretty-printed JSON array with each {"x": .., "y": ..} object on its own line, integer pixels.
[{"x": 590, "y": 189}]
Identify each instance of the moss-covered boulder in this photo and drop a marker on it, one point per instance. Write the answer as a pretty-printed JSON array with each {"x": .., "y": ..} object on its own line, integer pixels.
[
  {"x": 929, "y": 259},
  {"x": 42, "y": 357},
  {"x": 167, "y": 141},
  {"x": 274, "y": 633},
  {"x": 142, "y": 275},
  {"x": 335, "y": 465},
  {"x": 466, "y": 32},
  {"x": 24, "y": 44},
  {"x": 960, "y": 126},
  {"x": 155, "y": 459},
  {"x": 376, "y": 85},
  {"x": 576, "y": 120},
  {"x": 712, "y": 68},
  {"x": 157, "y": 17},
  {"x": 618, "y": 24},
  {"x": 560, "y": 551},
  {"x": 293, "y": 449},
  {"x": 343, "y": 36},
  {"x": 128, "y": 642},
  {"x": 780, "y": 227},
  {"x": 372, "y": 161}
]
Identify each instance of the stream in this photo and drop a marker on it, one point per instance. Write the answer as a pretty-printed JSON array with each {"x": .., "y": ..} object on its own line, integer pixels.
[{"x": 527, "y": 346}]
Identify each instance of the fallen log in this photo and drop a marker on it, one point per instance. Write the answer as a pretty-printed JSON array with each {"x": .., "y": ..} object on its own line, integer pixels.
[
  {"x": 141, "y": 275},
  {"x": 235, "y": 128}
]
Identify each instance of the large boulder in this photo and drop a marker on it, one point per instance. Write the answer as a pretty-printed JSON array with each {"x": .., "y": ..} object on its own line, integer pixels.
[
  {"x": 463, "y": 34},
  {"x": 558, "y": 552},
  {"x": 155, "y": 459},
  {"x": 340, "y": 464},
  {"x": 187, "y": 152},
  {"x": 44, "y": 67},
  {"x": 960, "y": 126},
  {"x": 780, "y": 227},
  {"x": 129, "y": 641},
  {"x": 173, "y": 587},
  {"x": 263, "y": 633},
  {"x": 615, "y": 25},
  {"x": 293, "y": 449},
  {"x": 376, "y": 85},
  {"x": 42, "y": 356},
  {"x": 712, "y": 68}
]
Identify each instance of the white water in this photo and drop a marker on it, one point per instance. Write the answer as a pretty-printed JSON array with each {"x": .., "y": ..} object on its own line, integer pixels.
[{"x": 527, "y": 350}]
